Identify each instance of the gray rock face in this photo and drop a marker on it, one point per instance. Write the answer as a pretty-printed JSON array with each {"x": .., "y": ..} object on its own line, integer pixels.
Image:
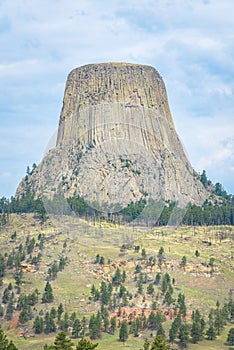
[{"x": 116, "y": 141}]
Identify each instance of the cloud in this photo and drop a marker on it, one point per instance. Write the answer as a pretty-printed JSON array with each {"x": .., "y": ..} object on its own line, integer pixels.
[{"x": 190, "y": 43}]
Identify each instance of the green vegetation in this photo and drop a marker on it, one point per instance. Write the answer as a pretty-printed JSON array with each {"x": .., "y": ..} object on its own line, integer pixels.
[
  {"x": 52, "y": 283},
  {"x": 218, "y": 209}
]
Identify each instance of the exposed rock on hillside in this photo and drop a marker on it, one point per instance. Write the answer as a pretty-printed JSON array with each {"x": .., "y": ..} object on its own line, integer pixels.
[{"x": 116, "y": 141}]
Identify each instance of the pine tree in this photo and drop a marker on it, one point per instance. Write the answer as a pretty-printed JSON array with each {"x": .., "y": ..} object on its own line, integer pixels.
[
  {"x": 25, "y": 314},
  {"x": 48, "y": 294},
  {"x": 85, "y": 345},
  {"x": 113, "y": 324},
  {"x": 9, "y": 310},
  {"x": 230, "y": 337},
  {"x": 117, "y": 278},
  {"x": 64, "y": 323},
  {"x": 211, "y": 334},
  {"x": 182, "y": 305},
  {"x": 63, "y": 342},
  {"x": 196, "y": 330},
  {"x": 218, "y": 322},
  {"x": 105, "y": 295},
  {"x": 38, "y": 325},
  {"x": 183, "y": 335},
  {"x": 2, "y": 266},
  {"x": 160, "y": 331},
  {"x": 76, "y": 329},
  {"x": 124, "y": 276},
  {"x": 53, "y": 312},
  {"x": 60, "y": 310},
  {"x": 4, "y": 343},
  {"x": 157, "y": 279},
  {"x": 3, "y": 340},
  {"x": 183, "y": 261},
  {"x": 123, "y": 332},
  {"x": 158, "y": 344},
  {"x": 11, "y": 346},
  {"x": 49, "y": 323},
  {"x": 95, "y": 326},
  {"x": 150, "y": 289}
]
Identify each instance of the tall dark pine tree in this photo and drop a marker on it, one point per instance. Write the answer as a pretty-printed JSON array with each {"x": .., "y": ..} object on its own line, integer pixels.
[
  {"x": 38, "y": 325},
  {"x": 183, "y": 335},
  {"x": 95, "y": 326},
  {"x": 196, "y": 330},
  {"x": 77, "y": 328},
  {"x": 230, "y": 337},
  {"x": 48, "y": 294},
  {"x": 211, "y": 334},
  {"x": 123, "y": 332}
]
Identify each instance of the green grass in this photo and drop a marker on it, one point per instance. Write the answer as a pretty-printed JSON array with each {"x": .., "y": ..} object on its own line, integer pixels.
[{"x": 85, "y": 240}]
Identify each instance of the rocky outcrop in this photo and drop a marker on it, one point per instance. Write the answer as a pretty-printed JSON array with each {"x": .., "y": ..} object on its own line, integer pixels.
[{"x": 116, "y": 141}]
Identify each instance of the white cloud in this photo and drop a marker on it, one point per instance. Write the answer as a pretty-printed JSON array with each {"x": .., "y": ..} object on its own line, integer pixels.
[{"x": 189, "y": 42}]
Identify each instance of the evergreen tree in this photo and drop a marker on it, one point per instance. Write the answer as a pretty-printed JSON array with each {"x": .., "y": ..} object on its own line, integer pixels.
[
  {"x": 38, "y": 325},
  {"x": 143, "y": 253},
  {"x": 158, "y": 344},
  {"x": 196, "y": 330},
  {"x": 49, "y": 324},
  {"x": 85, "y": 345},
  {"x": 95, "y": 326},
  {"x": 123, "y": 332},
  {"x": 64, "y": 323},
  {"x": 157, "y": 279},
  {"x": 2, "y": 266},
  {"x": 60, "y": 311},
  {"x": 117, "y": 278},
  {"x": 9, "y": 310},
  {"x": 1, "y": 311},
  {"x": 77, "y": 328},
  {"x": 113, "y": 324},
  {"x": 183, "y": 261},
  {"x": 3, "y": 340},
  {"x": 6, "y": 296},
  {"x": 204, "y": 180},
  {"x": 218, "y": 322},
  {"x": 25, "y": 314},
  {"x": 160, "y": 331},
  {"x": 48, "y": 294},
  {"x": 11, "y": 346},
  {"x": 150, "y": 289},
  {"x": 53, "y": 312},
  {"x": 183, "y": 335},
  {"x": 124, "y": 276},
  {"x": 211, "y": 334},
  {"x": 63, "y": 342},
  {"x": 4, "y": 343},
  {"x": 182, "y": 305},
  {"x": 105, "y": 295},
  {"x": 230, "y": 337}
]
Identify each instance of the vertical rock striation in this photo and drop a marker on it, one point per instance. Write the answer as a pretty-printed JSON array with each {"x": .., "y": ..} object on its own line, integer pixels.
[{"x": 116, "y": 141}]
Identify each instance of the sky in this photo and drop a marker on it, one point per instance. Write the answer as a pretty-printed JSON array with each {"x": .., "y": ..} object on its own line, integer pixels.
[{"x": 190, "y": 43}]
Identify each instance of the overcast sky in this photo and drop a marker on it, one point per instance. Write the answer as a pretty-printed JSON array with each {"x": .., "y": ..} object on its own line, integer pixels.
[{"x": 190, "y": 43}]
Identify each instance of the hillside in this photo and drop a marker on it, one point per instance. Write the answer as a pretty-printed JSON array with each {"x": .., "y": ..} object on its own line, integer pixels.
[{"x": 126, "y": 272}]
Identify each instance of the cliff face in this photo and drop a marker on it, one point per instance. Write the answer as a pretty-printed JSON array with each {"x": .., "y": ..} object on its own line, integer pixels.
[{"x": 116, "y": 141}]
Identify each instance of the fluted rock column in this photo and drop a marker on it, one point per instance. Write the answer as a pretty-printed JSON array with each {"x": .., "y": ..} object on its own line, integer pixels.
[{"x": 116, "y": 141}]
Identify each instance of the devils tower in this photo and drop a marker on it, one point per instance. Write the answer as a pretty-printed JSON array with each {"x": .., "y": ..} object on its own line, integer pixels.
[{"x": 116, "y": 141}]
